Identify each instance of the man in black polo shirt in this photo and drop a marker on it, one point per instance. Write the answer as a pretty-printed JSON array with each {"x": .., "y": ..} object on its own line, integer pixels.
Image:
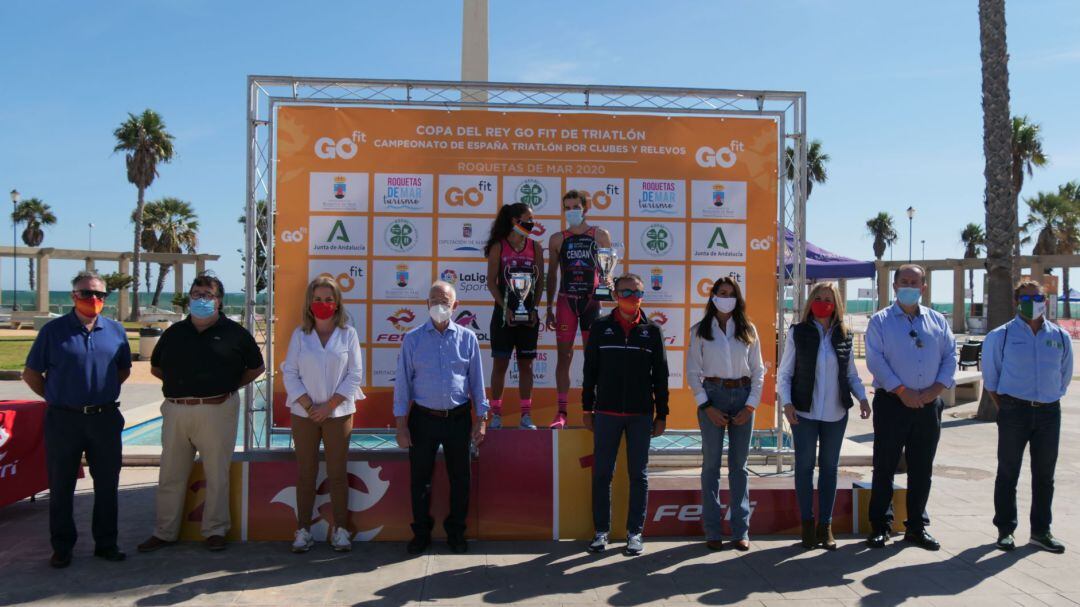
[
  {"x": 202, "y": 362},
  {"x": 77, "y": 364}
]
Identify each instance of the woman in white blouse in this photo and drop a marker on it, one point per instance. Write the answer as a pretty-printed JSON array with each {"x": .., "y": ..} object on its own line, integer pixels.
[
  {"x": 323, "y": 373},
  {"x": 815, "y": 381},
  {"x": 726, "y": 375}
]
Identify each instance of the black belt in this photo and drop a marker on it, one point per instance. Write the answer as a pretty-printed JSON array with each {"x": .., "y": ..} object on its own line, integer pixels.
[
  {"x": 728, "y": 383},
  {"x": 1030, "y": 403},
  {"x": 89, "y": 409},
  {"x": 443, "y": 413}
]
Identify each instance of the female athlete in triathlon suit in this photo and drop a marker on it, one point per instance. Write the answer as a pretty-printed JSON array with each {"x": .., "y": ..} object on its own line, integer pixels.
[{"x": 510, "y": 249}]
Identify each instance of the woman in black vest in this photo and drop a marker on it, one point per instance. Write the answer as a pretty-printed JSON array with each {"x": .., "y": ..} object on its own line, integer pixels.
[{"x": 816, "y": 380}]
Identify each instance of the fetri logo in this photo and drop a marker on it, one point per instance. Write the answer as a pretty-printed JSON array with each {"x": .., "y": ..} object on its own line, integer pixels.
[
  {"x": 473, "y": 197},
  {"x": 366, "y": 489},
  {"x": 401, "y": 319},
  {"x": 723, "y": 157},
  {"x": 659, "y": 318},
  {"x": 345, "y": 148}
]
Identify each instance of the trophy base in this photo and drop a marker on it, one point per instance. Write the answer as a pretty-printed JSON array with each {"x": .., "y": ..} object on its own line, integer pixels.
[
  {"x": 519, "y": 318},
  {"x": 602, "y": 294}
]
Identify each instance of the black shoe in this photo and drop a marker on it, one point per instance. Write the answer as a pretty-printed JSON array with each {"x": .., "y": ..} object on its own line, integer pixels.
[
  {"x": 59, "y": 560},
  {"x": 1047, "y": 542},
  {"x": 110, "y": 554},
  {"x": 458, "y": 545},
  {"x": 878, "y": 539},
  {"x": 1006, "y": 542},
  {"x": 922, "y": 539},
  {"x": 418, "y": 544}
]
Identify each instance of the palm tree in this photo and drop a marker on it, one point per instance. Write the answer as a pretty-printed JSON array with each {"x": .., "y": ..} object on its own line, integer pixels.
[
  {"x": 884, "y": 232},
  {"x": 815, "y": 165},
  {"x": 974, "y": 240},
  {"x": 1070, "y": 245},
  {"x": 35, "y": 214},
  {"x": 1000, "y": 203},
  {"x": 1054, "y": 219},
  {"x": 1027, "y": 153},
  {"x": 146, "y": 143},
  {"x": 169, "y": 226}
]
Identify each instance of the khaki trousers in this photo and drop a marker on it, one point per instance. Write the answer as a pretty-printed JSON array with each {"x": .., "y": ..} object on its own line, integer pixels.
[
  {"x": 334, "y": 434},
  {"x": 185, "y": 429}
]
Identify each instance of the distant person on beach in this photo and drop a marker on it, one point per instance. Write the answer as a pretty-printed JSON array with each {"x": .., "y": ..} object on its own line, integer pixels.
[
  {"x": 323, "y": 372},
  {"x": 202, "y": 361},
  {"x": 1027, "y": 367},
  {"x": 911, "y": 352},
  {"x": 77, "y": 364}
]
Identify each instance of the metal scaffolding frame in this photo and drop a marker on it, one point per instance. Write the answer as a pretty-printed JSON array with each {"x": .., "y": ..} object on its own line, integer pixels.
[{"x": 787, "y": 108}]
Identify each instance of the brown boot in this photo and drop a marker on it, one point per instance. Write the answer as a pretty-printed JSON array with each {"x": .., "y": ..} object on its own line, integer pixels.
[
  {"x": 809, "y": 540},
  {"x": 825, "y": 537}
]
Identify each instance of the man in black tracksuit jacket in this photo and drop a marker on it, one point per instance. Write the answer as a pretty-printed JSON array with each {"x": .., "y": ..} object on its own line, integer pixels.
[{"x": 625, "y": 385}]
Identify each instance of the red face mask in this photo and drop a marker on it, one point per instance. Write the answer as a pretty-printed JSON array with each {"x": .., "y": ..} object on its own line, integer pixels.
[
  {"x": 89, "y": 307},
  {"x": 323, "y": 309},
  {"x": 629, "y": 305},
  {"x": 822, "y": 309}
]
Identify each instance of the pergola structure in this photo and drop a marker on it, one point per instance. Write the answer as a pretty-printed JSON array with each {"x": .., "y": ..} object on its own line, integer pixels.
[
  {"x": 1033, "y": 264},
  {"x": 44, "y": 255}
]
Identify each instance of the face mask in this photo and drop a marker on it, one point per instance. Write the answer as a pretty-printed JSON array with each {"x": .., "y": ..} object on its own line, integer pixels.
[
  {"x": 323, "y": 309},
  {"x": 574, "y": 217},
  {"x": 203, "y": 308},
  {"x": 726, "y": 305},
  {"x": 1032, "y": 310},
  {"x": 908, "y": 296},
  {"x": 439, "y": 313},
  {"x": 524, "y": 228},
  {"x": 822, "y": 309},
  {"x": 629, "y": 305},
  {"x": 89, "y": 307}
]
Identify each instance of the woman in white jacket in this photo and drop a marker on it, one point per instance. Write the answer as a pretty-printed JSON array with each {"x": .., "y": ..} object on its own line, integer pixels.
[{"x": 323, "y": 372}]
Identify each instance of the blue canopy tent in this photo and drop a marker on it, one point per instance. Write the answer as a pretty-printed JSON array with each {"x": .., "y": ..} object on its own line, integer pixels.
[{"x": 824, "y": 265}]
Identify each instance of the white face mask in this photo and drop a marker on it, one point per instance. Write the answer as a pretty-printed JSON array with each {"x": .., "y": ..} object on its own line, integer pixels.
[
  {"x": 724, "y": 304},
  {"x": 439, "y": 313},
  {"x": 1038, "y": 308}
]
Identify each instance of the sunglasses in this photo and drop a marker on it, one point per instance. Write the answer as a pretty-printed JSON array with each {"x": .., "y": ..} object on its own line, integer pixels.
[
  {"x": 918, "y": 340},
  {"x": 631, "y": 293},
  {"x": 1031, "y": 298},
  {"x": 88, "y": 293}
]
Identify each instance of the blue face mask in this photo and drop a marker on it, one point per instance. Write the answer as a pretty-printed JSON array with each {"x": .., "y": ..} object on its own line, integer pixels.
[
  {"x": 908, "y": 296},
  {"x": 574, "y": 217},
  {"x": 203, "y": 308}
]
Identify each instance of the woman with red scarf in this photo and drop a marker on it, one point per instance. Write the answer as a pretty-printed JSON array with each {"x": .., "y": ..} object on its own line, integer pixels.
[{"x": 323, "y": 372}]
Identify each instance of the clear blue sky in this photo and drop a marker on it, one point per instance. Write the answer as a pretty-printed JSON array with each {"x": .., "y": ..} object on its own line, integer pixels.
[{"x": 893, "y": 92}]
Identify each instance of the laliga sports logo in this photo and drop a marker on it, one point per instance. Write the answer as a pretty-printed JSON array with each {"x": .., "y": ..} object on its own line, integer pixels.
[
  {"x": 401, "y": 319},
  {"x": 345, "y": 148},
  {"x": 719, "y": 157},
  {"x": 366, "y": 489},
  {"x": 449, "y": 276},
  {"x": 473, "y": 197}
]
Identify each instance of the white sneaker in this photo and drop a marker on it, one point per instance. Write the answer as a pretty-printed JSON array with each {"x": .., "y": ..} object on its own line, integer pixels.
[
  {"x": 342, "y": 541},
  {"x": 496, "y": 422},
  {"x": 635, "y": 545},
  {"x": 526, "y": 422},
  {"x": 303, "y": 541},
  {"x": 599, "y": 543}
]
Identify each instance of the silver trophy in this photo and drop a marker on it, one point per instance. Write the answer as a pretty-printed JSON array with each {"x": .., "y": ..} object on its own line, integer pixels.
[
  {"x": 521, "y": 283},
  {"x": 606, "y": 260}
]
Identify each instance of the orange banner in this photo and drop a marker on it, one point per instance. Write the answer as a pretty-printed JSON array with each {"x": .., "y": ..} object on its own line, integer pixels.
[{"x": 387, "y": 201}]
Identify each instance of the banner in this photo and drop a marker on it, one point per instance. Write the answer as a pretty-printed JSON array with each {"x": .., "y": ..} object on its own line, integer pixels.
[
  {"x": 22, "y": 450},
  {"x": 388, "y": 200}
]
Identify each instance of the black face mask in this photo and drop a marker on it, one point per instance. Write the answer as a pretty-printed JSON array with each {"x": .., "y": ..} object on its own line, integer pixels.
[{"x": 527, "y": 225}]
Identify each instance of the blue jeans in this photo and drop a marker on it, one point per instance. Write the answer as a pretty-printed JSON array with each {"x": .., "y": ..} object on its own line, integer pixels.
[
  {"x": 1020, "y": 425},
  {"x": 607, "y": 434},
  {"x": 730, "y": 401},
  {"x": 808, "y": 433}
]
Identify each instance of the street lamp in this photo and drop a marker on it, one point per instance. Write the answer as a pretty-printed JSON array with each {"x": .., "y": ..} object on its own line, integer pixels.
[
  {"x": 91, "y": 237},
  {"x": 924, "y": 250},
  {"x": 15, "y": 198},
  {"x": 910, "y": 219}
]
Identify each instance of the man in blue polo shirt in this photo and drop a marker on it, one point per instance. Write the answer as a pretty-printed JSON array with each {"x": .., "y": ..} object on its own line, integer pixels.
[
  {"x": 77, "y": 364},
  {"x": 1027, "y": 367}
]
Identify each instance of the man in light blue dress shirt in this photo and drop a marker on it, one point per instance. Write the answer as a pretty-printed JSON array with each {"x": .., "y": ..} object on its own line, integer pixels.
[
  {"x": 438, "y": 387},
  {"x": 1027, "y": 367},
  {"x": 911, "y": 352}
]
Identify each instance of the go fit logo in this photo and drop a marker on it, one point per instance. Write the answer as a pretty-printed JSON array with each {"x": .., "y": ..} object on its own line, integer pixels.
[
  {"x": 345, "y": 148},
  {"x": 723, "y": 157},
  {"x": 473, "y": 196},
  {"x": 602, "y": 199}
]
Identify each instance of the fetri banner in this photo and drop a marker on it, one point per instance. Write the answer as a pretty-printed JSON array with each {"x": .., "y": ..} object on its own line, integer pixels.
[{"x": 385, "y": 201}]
